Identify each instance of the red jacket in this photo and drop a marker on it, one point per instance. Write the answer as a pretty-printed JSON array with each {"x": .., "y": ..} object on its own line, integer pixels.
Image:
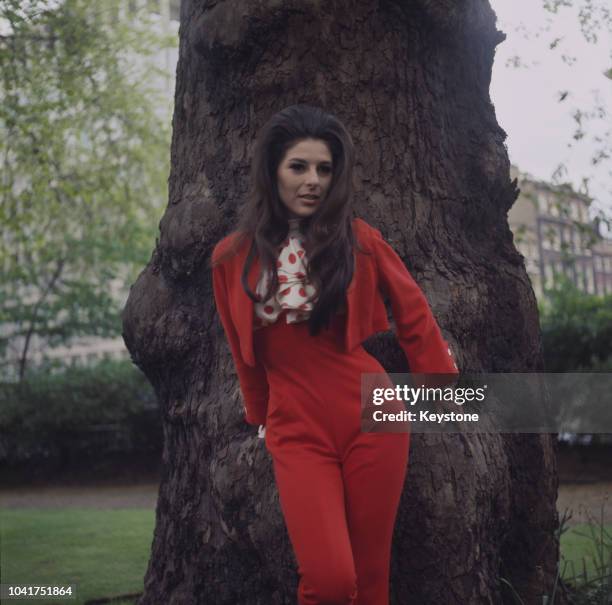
[{"x": 381, "y": 272}]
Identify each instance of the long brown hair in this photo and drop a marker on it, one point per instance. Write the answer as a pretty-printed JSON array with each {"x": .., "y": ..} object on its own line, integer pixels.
[{"x": 328, "y": 235}]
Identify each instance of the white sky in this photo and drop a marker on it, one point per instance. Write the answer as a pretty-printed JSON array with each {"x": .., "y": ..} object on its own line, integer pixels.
[{"x": 539, "y": 127}]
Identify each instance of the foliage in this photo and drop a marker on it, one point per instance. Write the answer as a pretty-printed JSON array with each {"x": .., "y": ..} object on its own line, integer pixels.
[
  {"x": 592, "y": 583},
  {"x": 59, "y": 409},
  {"x": 576, "y": 329},
  {"x": 85, "y": 166}
]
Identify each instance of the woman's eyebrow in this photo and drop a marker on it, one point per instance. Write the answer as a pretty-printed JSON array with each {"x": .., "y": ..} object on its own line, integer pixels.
[{"x": 305, "y": 162}]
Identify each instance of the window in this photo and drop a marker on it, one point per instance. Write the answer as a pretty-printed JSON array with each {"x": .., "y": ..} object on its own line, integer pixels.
[
  {"x": 579, "y": 275},
  {"x": 585, "y": 241},
  {"x": 574, "y": 211},
  {"x": 548, "y": 275},
  {"x": 590, "y": 284},
  {"x": 556, "y": 238},
  {"x": 540, "y": 200},
  {"x": 550, "y": 238}
]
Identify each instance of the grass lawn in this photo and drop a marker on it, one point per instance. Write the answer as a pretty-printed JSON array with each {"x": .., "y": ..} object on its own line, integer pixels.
[
  {"x": 105, "y": 552},
  {"x": 583, "y": 547}
]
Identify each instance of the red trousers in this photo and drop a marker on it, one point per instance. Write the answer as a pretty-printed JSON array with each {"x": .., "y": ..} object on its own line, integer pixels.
[{"x": 339, "y": 488}]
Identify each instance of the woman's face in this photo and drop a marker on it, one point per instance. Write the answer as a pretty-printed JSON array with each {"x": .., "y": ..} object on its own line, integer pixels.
[{"x": 305, "y": 170}]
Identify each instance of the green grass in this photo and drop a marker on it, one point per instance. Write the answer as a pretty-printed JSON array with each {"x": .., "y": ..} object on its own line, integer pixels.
[
  {"x": 586, "y": 562},
  {"x": 582, "y": 548},
  {"x": 103, "y": 552}
]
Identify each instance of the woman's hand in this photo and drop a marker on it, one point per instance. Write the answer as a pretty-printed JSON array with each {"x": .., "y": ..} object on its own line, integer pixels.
[{"x": 261, "y": 431}]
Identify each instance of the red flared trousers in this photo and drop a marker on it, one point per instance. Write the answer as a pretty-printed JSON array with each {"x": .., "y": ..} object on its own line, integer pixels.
[{"x": 339, "y": 488}]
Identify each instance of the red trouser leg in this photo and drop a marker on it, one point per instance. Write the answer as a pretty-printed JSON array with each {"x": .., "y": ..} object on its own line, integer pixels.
[
  {"x": 312, "y": 500},
  {"x": 340, "y": 517},
  {"x": 374, "y": 470}
]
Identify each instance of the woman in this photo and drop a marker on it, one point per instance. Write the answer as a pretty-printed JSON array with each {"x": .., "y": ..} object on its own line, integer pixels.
[{"x": 298, "y": 287}]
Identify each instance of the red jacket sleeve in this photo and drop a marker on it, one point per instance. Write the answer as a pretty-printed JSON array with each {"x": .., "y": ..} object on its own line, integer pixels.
[
  {"x": 253, "y": 380},
  {"x": 417, "y": 330}
]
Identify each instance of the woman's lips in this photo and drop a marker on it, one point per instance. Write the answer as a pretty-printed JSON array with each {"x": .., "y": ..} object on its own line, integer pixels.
[{"x": 309, "y": 201}]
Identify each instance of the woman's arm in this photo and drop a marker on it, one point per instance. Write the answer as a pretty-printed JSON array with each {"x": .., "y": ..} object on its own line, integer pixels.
[
  {"x": 253, "y": 380},
  {"x": 417, "y": 330}
]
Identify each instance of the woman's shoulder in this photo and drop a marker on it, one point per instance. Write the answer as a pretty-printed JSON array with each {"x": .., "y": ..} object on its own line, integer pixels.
[
  {"x": 228, "y": 246},
  {"x": 364, "y": 231}
]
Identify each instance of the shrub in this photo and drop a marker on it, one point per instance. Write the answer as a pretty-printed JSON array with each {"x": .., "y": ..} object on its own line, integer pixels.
[{"x": 109, "y": 406}]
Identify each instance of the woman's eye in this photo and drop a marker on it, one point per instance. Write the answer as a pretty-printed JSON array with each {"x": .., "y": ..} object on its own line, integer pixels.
[{"x": 324, "y": 169}]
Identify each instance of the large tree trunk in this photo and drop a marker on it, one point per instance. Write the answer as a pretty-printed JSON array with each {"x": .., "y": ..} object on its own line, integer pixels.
[{"x": 411, "y": 82}]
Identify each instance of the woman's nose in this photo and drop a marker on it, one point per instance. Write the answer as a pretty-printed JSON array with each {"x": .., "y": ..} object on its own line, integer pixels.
[{"x": 312, "y": 176}]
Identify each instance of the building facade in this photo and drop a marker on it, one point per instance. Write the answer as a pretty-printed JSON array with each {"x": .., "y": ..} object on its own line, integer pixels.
[{"x": 553, "y": 232}]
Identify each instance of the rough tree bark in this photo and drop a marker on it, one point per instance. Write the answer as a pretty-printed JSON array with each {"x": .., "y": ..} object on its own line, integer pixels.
[{"x": 410, "y": 79}]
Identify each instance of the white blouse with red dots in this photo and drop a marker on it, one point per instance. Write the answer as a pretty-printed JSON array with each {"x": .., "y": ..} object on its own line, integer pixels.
[{"x": 294, "y": 291}]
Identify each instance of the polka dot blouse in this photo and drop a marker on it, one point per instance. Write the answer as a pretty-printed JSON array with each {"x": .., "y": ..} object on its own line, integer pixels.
[{"x": 294, "y": 290}]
